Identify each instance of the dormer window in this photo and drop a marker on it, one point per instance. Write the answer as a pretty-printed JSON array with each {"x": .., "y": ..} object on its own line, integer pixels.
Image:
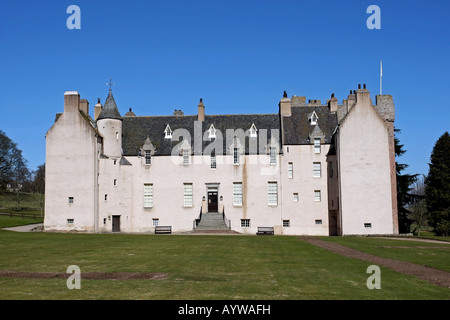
[
  {"x": 168, "y": 132},
  {"x": 313, "y": 119},
  {"x": 253, "y": 131},
  {"x": 148, "y": 157},
  {"x": 212, "y": 132}
]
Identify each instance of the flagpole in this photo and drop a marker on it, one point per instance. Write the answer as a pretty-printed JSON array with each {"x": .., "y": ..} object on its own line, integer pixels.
[{"x": 381, "y": 77}]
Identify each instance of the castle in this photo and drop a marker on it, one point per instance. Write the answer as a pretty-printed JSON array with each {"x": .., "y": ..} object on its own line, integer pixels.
[{"x": 308, "y": 169}]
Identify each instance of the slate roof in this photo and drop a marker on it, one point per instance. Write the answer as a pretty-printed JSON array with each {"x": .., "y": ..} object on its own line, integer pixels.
[
  {"x": 136, "y": 130},
  {"x": 110, "y": 110},
  {"x": 297, "y": 128}
]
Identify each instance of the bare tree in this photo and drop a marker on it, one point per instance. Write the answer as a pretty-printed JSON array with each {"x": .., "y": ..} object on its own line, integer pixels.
[{"x": 418, "y": 208}]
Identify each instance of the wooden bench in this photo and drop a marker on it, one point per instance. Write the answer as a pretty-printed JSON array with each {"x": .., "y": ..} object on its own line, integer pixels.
[
  {"x": 264, "y": 231},
  {"x": 163, "y": 229}
]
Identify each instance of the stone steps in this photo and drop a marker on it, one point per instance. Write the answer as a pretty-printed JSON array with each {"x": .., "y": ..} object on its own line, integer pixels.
[{"x": 212, "y": 222}]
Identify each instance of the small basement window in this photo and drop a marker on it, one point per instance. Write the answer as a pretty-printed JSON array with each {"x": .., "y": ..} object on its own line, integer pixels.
[
  {"x": 70, "y": 221},
  {"x": 71, "y": 200},
  {"x": 367, "y": 225},
  {"x": 245, "y": 223}
]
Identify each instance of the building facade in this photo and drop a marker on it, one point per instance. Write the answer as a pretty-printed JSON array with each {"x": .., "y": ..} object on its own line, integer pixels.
[{"x": 309, "y": 169}]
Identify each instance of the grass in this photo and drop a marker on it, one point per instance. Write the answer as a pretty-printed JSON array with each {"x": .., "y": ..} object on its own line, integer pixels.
[
  {"x": 29, "y": 202},
  {"x": 203, "y": 267},
  {"x": 8, "y": 222}
]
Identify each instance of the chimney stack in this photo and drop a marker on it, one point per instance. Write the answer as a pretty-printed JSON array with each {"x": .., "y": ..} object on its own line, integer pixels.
[
  {"x": 84, "y": 106},
  {"x": 97, "y": 109},
  {"x": 71, "y": 101},
  {"x": 201, "y": 111},
  {"x": 333, "y": 103},
  {"x": 285, "y": 106}
]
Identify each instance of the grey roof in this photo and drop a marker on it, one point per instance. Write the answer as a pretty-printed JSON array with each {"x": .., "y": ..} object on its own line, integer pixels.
[
  {"x": 110, "y": 110},
  {"x": 136, "y": 130},
  {"x": 297, "y": 128}
]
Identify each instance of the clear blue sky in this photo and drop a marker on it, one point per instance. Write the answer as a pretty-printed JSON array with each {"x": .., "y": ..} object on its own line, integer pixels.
[{"x": 238, "y": 55}]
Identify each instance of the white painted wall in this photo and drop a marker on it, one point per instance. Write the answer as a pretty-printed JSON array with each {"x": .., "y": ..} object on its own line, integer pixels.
[
  {"x": 70, "y": 171},
  {"x": 303, "y": 214},
  {"x": 365, "y": 184}
]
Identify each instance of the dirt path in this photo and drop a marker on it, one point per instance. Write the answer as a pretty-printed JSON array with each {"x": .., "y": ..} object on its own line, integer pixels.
[{"x": 438, "y": 277}]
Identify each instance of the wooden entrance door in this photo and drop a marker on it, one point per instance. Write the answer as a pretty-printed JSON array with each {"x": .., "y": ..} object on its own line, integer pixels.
[
  {"x": 212, "y": 201},
  {"x": 116, "y": 224}
]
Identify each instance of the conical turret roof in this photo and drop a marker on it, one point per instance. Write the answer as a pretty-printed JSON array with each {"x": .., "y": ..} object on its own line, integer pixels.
[{"x": 110, "y": 110}]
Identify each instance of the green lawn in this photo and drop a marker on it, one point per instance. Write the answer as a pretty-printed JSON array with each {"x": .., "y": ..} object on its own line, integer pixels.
[
  {"x": 8, "y": 222},
  {"x": 203, "y": 267}
]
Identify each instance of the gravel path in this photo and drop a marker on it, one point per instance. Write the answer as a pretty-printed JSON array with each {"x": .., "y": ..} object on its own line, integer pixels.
[{"x": 438, "y": 277}]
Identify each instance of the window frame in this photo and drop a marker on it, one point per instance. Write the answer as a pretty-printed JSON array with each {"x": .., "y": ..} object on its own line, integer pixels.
[
  {"x": 148, "y": 157},
  {"x": 272, "y": 193},
  {"x": 317, "y": 146},
  {"x": 213, "y": 165},
  {"x": 245, "y": 223},
  {"x": 186, "y": 157},
  {"x": 290, "y": 170},
  {"x": 273, "y": 155},
  {"x": 149, "y": 194},
  {"x": 236, "y": 157},
  {"x": 317, "y": 173},
  {"x": 188, "y": 195},
  {"x": 237, "y": 194},
  {"x": 317, "y": 196}
]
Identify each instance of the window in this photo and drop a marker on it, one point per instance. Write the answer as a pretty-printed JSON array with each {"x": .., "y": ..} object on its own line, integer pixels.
[
  {"x": 286, "y": 223},
  {"x": 318, "y": 222},
  {"x": 117, "y": 136},
  {"x": 273, "y": 155},
  {"x": 148, "y": 195},
  {"x": 290, "y": 170},
  {"x": 317, "y": 196},
  {"x": 155, "y": 222},
  {"x": 115, "y": 182},
  {"x": 367, "y": 225},
  {"x": 213, "y": 162},
  {"x": 106, "y": 197},
  {"x": 245, "y": 223},
  {"x": 186, "y": 154},
  {"x": 317, "y": 145},
  {"x": 168, "y": 133},
  {"x": 70, "y": 221},
  {"x": 188, "y": 195},
  {"x": 253, "y": 131},
  {"x": 313, "y": 119},
  {"x": 317, "y": 170},
  {"x": 71, "y": 200},
  {"x": 273, "y": 193},
  {"x": 212, "y": 132},
  {"x": 296, "y": 198},
  {"x": 115, "y": 162},
  {"x": 148, "y": 157},
  {"x": 237, "y": 193},
  {"x": 236, "y": 156}
]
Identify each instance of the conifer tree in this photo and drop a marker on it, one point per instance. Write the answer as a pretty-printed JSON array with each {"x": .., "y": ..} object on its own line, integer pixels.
[
  {"x": 404, "y": 182},
  {"x": 437, "y": 191}
]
